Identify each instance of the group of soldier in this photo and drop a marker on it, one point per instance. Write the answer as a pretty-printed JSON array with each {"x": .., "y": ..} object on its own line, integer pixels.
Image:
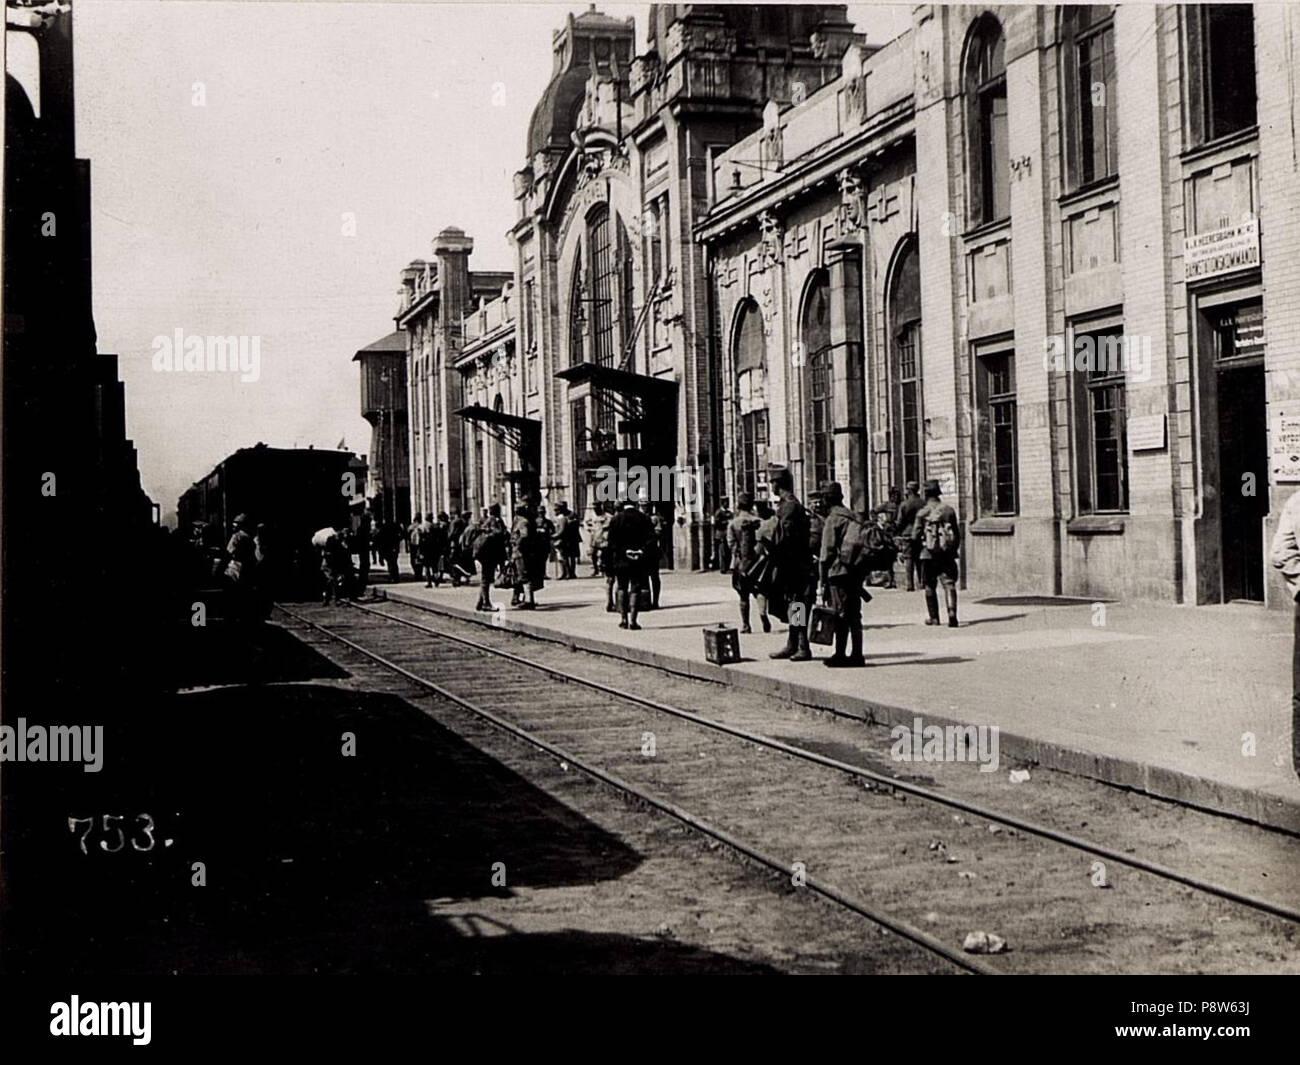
[{"x": 796, "y": 559}]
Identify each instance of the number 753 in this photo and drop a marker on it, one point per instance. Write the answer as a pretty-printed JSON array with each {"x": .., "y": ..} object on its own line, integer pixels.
[{"x": 141, "y": 835}]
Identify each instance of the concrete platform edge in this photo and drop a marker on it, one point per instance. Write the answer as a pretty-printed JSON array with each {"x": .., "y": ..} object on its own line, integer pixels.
[{"x": 1156, "y": 781}]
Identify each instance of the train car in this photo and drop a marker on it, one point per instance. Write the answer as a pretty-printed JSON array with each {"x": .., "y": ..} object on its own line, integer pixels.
[{"x": 291, "y": 491}]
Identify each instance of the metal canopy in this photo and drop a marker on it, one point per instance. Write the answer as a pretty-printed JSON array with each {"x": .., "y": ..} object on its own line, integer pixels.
[
  {"x": 628, "y": 398},
  {"x": 521, "y": 435}
]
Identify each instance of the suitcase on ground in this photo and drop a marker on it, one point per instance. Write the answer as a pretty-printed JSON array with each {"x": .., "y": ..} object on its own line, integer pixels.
[
  {"x": 821, "y": 625},
  {"x": 722, "y": 644}
]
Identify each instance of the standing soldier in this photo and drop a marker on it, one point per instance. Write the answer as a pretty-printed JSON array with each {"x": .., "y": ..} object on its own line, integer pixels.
[
  {"x": 362, "y": 546},
  {"x": 793, "y": 561},
  {"x": 742, "y": 542},
  {"x": 598, "y": 526},
  {"x": 489, "y": 548},
  {"x": 626, "y": 555},
  {"x": 907, "y": 533},
  {"x": 413, "y": 533},
  {"x": 242, "y": 552},
  {"x": 721, "y": 519},
  {"x": 433, "y": 550},
  {"x": 841, "y": 580},
  {"x": 1286, "y": 557},
  {"x": 937, "y": 525}
]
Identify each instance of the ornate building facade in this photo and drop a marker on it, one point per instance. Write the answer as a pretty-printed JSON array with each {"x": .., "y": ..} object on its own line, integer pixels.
[{"x": 1046, "y": 256}]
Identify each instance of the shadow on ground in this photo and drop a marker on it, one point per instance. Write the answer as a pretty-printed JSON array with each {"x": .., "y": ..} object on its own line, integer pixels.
[{"x": 314, "y": 861}]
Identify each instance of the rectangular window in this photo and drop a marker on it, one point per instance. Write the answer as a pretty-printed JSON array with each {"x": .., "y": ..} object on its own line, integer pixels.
[
  {"x": 1090, "y": 96},
  {"x": 995, "y": 385},
  {"x": 995, "y": 178},
  {"x": 1098, "y": 367},
  {"x": 1220, "y": 41},
  {"x": 753, "y": 453},
  {"x": 909, "y": 402}
]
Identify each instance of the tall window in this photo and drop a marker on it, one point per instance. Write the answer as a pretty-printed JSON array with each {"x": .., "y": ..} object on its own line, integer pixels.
[
  {"x": 1102, "y": 423},
  {"x": 988, "y": 156},
  {"x": 751, "y": 474},
  {"x": 751, "y": 367},
  {"x": 577, "y": 314},
  {"x": 905, "y": 349},
  {"x": 1221, "y": 69},
  {"x": 530, "y": 339},
  {"x": 996, "y": 400},
  {"x": 816, "y": 340},
  {"x": 627, "y": 294},
  {"x": 1088, "y": 49},
  {"x": 604, "y": 279}
]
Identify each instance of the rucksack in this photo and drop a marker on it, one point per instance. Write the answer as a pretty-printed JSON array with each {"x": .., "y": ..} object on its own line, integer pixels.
[
  {"x": 865, "y": 546},
  {"x": 938, "y": 536}
]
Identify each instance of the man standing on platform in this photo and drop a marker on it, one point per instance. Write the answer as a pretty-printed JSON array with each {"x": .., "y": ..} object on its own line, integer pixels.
[
  {"x": 841, "y": 584},
  {"x": 936, "y": 525},
  {"x": 721, "y": 552},
  {"x": 794, "y": 566},
  {"x": 905, "y": 523},
  {"x": 1286, "y": 557}
]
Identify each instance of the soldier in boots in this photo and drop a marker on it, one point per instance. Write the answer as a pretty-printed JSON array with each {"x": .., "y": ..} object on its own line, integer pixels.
[
  {"x": 936, "y": 523},
  {"x": 794, "y": 566}
]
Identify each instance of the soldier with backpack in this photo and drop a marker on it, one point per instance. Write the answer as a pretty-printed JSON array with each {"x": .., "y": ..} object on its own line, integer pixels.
[
  {"x": 845, "y": 560},
  {"x": 796, "y": 577},
  {"x": 742, "y": 540},
  {"x": 936, "y": 524}
]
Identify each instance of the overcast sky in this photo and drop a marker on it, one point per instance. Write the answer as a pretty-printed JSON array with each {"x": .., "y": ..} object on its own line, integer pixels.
[{"x": 228, "y": 218}]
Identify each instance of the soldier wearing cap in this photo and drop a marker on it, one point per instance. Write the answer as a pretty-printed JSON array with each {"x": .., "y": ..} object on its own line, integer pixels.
[
  {"x": 936, "y": 525},
  {"x": 841, "y": 588},
  {"x": 905, "y": 522},
  {"x": 742, "y": 541},
  {"x": 798, "y": 579}
]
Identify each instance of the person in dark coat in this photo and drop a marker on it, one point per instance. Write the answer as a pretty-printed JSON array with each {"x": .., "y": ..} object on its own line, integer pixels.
[
  {"x": 433, "y": 550},
  {"x": 793, "y": 558},
  {"x": 626, "y": 552},
  {"x": 742, "y": 539},
  {"x": 841, "y": 586},
  {"x": 490, "y": 545},
  {"x": 939, "y": 537},
  {"x": 908, "y": 536}
]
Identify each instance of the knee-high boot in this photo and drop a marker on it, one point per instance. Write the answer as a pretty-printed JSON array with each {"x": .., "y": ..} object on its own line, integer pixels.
[
  {"x": 950, "y": 601},
  {"x": 744, "y": 616},
  {"x": 932, "y": 606}
]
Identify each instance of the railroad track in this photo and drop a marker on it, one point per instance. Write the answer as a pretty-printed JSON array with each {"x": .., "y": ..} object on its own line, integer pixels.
[{"x": 602, "y": 730}]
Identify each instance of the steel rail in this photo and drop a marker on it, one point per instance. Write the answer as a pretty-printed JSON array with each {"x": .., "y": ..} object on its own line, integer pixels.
[
  {"x": 827, "y": 891},
  {"x": 1043, "y": 831}
]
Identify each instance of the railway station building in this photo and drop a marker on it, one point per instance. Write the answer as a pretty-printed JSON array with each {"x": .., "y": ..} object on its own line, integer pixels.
[{"x": 1048, "y": 257}]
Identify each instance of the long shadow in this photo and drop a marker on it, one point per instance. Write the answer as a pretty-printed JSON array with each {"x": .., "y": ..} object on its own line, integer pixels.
[
  {"x": 324, "y": 818},
  {"x": 992, "y": 621}
]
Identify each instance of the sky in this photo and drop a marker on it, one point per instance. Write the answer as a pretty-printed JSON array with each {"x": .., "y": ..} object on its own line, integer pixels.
[{"x": 266, "y": 169}]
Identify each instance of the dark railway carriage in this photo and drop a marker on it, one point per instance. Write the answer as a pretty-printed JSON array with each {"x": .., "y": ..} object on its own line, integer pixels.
[{"x": 292, "y": 491}]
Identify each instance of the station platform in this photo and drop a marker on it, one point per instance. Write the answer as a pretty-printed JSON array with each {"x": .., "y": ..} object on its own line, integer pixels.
[{"x": 1161, "y": 699}]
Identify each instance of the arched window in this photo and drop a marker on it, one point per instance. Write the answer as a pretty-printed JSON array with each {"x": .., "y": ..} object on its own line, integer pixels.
[
  {"x": 604, "y": 282},
  {"x": 750, "y": 354},
  {"x": 815, "y": 336},
  {"x": 577, "y": 313},
  {"x": 988, "y": 159},
  {"x": 905, "y": 353},
  {"x": 1088, "y": 97},
  {"x": 627, "y": 317}
]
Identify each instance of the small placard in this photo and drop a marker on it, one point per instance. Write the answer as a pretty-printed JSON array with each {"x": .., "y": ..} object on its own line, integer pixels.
[
  {"x": 1146, "y": 432},
  {"x": 1285, "y": 438}
]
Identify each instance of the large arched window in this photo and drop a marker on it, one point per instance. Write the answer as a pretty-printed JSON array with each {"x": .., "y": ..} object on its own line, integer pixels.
[
  {"x": 988, "y": 157},
  {"x": 905, "y": 355},
  {"x": 577, "y": 313},
  {"x": 750, "y": 355},
  {"x": 627, "y": 295},
  {"x": 815, "y": 336},
  {"x": 1088, "y": 97},
  {"x": 604, "y": 283}
]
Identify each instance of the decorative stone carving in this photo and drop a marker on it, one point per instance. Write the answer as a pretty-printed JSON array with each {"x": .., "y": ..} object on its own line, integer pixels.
[
  {"x": 855, "y": 100},
  {"x": 770, "y": 228},
  {"x": 772, "y": 149},
  {"x": 796, "y": 242},
  {"x": 852, "y": 210}
]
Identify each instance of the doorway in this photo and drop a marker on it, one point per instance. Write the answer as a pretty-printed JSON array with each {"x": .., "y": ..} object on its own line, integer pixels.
[{"x": 1243, "y": 470}]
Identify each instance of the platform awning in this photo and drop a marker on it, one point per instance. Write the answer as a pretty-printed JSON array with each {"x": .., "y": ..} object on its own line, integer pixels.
[
  {"x": 521, "y": 435},
  {"x": 623, "y": 382}
]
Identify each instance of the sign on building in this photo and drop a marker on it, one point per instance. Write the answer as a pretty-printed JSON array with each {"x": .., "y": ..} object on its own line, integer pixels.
[
  {"x": 1146, "y": 432},
  {"x": 1220, "y": 251},
  {"x": 1285, "y": 458}
]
